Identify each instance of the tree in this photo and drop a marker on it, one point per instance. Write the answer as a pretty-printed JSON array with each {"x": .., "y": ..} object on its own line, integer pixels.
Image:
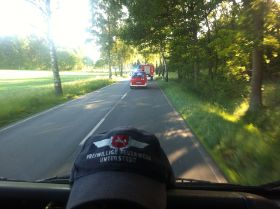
[
  {"x": 152, "y": 30},
  {"x": 10, "y": 52},
  {"x": 45, "y": 7},
  {"x": 69, "y": 60},
  {"x": 257, "y": 57},
  {"x": 106, "y": 15},
  {"x": 100, "y": 63},
  {"x": 255, "y": 18},
  {"x": 122, "y": 53},
  {"x": 37, "y": 53},
  {"x": 32, "y": 53},
  {"x": 24, "y": 53},
  {"x": 206, "y": 40}
]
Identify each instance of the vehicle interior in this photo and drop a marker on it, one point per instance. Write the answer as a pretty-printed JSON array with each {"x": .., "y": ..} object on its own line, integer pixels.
[{"x": 187, "y": 194}]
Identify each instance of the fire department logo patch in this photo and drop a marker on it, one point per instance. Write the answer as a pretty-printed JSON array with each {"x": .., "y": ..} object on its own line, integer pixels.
[{"x": 120, "y": 141}]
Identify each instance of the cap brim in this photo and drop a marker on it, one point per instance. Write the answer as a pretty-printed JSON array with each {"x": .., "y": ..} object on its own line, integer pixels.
[{"x": 114, "y": 185}]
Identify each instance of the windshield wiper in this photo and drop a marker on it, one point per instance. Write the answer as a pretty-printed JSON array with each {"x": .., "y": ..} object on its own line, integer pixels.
[
  {"x": 194, "y": 184},
  {"x": 272, "y": 186},
  {"x": 183, "y": 180},
  {"x": 9, "y": 179},
  {"x": 55, "y": 179}
]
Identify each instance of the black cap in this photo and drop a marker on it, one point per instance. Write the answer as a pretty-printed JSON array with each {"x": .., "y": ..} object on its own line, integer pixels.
[{"x": 125, "y": 164}]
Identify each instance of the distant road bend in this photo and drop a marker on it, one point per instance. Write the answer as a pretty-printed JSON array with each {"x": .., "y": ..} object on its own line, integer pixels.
[{"x": 46, "y": 144}]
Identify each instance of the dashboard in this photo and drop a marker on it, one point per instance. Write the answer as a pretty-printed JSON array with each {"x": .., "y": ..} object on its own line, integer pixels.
[{"x": 54, "y": 196}]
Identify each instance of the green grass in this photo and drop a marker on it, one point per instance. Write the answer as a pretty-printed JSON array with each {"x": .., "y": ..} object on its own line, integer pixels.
[
  {"x": 245, "y": 146},
  {"x": 22, "y": 96}
]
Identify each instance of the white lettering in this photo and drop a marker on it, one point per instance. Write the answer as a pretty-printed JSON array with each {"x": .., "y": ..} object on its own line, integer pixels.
[
  {"x": 123, "y": 155},
  {"x": 89, "y": 156}
]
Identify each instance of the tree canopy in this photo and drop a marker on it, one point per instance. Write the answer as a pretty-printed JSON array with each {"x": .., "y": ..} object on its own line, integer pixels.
[
  {"x": 32, "y": 53},
  {"x": 201, "y": 40}
]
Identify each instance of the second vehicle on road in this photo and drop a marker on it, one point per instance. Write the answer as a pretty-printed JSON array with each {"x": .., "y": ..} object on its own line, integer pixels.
[{"x": 138, "y": 79}]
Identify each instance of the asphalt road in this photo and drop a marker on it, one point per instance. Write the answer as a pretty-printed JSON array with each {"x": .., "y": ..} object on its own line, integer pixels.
[{"x": 46, "y": 144}]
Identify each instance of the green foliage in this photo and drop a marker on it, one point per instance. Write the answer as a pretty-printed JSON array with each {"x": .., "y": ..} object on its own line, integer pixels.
[
  {"x": 101, "y": 63},
  {"x": 33, "y": 53},
  {"x": 18, "y": 53},
  {"x": 148, "y": 26},
  {"x": 210, "y": 45},
  {"x": 107, "y": 19},
  {"x": 122, "y": 54},
  {"x": 69, "y": 60},
  {"x": 244, "y": 146},
  {"x": 219, "y": 91},
  {"x": 215, "y": 35}
]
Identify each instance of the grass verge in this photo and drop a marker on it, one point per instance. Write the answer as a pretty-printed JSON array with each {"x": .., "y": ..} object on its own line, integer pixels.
[
  {"x": 244, "y": 146},
  {"x": 23, "y": 97}
]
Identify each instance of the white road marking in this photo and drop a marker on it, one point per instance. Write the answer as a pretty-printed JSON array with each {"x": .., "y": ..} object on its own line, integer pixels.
[
  {"x": 101, "y": 121},
  {"x": 34, "y": 116},
  {"x": 204, "y": 157},
  {"x": 123, "y": 96},
  {"x": 48, "y": 110}
]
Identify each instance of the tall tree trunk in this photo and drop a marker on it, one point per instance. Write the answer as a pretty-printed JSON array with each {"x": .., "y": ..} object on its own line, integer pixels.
[
  {"x": 194, "y": 30},
  {"x": 216, "y": 65},
  {"x": 121, "y": 69},
  {"x": 257, "y": 58},
  {"x": 119, "y": 57},
  {"x": 109, "y": 63},
  {"x": 195, "y": 70},
  {"x": 195, "y": 73},
  {"x": 53, "y": 56},
  {"x": 209, "y": 51},
  {"x": 165, "y": 71},
  {"x": 55, "y": 70},
  {"x": 122, "y": 60},
  {"x": 233, "y": 15},
  {"x": 210, "y": 72},
  {"x": 110, "y": 45},
  {"x": 256, "y": 81}
]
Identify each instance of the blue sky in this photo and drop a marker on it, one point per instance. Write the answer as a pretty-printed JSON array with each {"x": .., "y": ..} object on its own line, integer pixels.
[{"x": 70, "y": 19}]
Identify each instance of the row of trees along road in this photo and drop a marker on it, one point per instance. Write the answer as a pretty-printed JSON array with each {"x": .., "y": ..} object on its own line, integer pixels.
[
  {"x": 199, "y": 39},
  {"x": 33, "y": 53},
  {"x": 107, "y": 19}
]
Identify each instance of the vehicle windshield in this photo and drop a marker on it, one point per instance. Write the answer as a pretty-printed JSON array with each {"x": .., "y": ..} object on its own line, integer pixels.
[
  {"x": 212, "y": 93},
  {"x": 138, "y": 75}
]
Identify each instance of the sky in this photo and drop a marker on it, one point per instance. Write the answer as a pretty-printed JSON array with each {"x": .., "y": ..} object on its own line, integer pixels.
[{"x": 70, "y": 20}]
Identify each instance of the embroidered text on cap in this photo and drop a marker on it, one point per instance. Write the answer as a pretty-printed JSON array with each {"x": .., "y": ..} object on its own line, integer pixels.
[{"x": 120, "y": 142}]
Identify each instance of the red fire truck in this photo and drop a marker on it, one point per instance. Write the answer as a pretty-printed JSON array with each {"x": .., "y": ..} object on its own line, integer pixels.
[{"x": 149, "y": 69}]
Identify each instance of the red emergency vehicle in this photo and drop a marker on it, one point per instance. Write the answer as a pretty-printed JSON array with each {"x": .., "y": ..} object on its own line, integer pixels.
[
  {"x": 149, "y": 69},
  {"x": 138, "y": 79}
]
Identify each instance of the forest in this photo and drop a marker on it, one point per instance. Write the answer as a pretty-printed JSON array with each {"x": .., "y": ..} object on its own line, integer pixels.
[{"x": 219, "y": 65}]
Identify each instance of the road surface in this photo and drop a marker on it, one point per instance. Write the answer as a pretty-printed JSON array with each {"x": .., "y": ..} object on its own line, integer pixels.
[{"x": 46, "y": 144}]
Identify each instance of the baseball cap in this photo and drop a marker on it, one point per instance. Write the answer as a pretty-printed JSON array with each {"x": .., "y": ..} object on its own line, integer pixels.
[{"x": 125, "y": 164}]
